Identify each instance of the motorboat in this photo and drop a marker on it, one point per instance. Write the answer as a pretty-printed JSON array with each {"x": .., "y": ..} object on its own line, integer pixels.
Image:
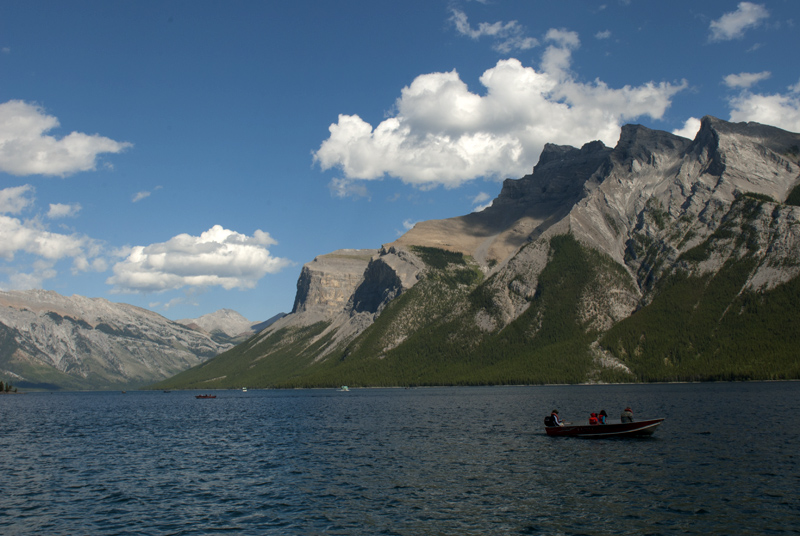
[
  {"x": 205, "y": 396},
  {"x": 619, "y": 429}
]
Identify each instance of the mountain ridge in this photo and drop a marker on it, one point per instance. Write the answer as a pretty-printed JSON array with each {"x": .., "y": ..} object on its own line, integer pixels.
[
  {"x": 494, "y": 296},
  {"x": 52, "y": 341}
]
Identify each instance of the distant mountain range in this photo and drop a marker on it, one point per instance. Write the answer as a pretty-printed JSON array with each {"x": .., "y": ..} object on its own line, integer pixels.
[
  {"x": 52, "y": 341},
  {"x": 227, "y": 324},
  {"x": 660, "y": 259}
]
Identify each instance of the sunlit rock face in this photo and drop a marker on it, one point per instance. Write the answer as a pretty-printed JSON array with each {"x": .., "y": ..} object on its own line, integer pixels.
[
  {"x": 91, "y": 343},
  {"x": 327, "y": 283}
]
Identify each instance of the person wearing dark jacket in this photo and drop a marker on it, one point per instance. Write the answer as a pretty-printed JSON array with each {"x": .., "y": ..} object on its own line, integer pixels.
[{"x": 627, "y": 415}]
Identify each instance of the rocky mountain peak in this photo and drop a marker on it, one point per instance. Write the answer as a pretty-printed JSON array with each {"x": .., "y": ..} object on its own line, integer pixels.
[
  {"x": 227, "y": 321},
  {"x": 646, "y": 146},
  {"x": 91, "y": 343}
]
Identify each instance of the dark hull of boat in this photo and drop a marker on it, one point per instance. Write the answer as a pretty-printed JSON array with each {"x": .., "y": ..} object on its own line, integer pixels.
[
  {"x": 628, "y": 429},
  {"x": 205, "y": 396}
]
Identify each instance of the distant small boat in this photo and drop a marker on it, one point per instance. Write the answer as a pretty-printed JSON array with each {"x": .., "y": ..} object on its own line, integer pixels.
[
  {"x": 244, "y": 389},
  {"x": 205, "y": 396},
  {"x": 623, "y": 429},
  {"x": 344, "y": 388}
]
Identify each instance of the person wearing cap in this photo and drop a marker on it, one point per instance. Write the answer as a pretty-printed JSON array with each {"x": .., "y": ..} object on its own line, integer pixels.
[{"x": 627, "y": 415}]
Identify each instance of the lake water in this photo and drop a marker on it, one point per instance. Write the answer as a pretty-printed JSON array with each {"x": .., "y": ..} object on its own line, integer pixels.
[{"x": 433, "y": 461}]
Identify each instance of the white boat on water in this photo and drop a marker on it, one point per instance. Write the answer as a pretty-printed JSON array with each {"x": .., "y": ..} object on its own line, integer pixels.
[
  {"x": 344, "y": 388},
  {"x": 244, "y": 389}
]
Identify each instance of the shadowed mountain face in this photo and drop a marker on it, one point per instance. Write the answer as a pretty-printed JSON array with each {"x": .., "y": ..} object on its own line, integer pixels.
[{"x": 623, "y": 264}]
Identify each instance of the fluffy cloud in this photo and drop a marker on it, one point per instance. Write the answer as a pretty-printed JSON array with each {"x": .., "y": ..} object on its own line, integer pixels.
[
  {"x": 733, "y": 25},
  {"x": 689, "y": 129},
  {"x": 443, "y": 134},
  {"x": 62, "y": 210},
  {"x": 15, "y": 200},
  {"x": 780, "y": 110},
  {"x": 32, "y": 237},
  {"x": 25, "y": 149},
  {"x": 41, "y": 270},
  {"x": 508, "y": 36},
  {"x": 745, "y": 80},
  {"x": 216, "y": 257}
]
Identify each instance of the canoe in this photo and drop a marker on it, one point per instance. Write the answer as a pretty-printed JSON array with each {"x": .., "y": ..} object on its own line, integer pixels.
[{"x": 619, "y": 429}]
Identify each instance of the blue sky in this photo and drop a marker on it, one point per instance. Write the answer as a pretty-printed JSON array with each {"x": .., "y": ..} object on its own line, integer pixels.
[{"x": 187, "y": 156}]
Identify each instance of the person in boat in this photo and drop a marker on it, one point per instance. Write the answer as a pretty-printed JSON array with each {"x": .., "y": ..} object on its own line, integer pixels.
[
  {"x": 555, "y": 419},
  {"x": 627, "y": 415},
  {"x": 602, "y": 417},
  {"x": 593, "y": 418}
]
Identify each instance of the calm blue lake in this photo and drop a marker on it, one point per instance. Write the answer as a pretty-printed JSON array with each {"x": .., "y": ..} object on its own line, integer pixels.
[{"x": 434, "y": 461}]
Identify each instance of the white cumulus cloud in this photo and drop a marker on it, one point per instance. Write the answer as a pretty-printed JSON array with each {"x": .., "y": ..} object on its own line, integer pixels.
[
  {"x": 444, "y": 134},
  {"x": 16, "y": 199},
  {"x": 26, "y": 149},
  {"x": 218, "y": 257},
  {"x": 31, "y": 238},
  {"x": 781, "y": 110},
  {"x": 733, "y": 25},
  {"x": 63, "y": 210},
  {"x": 745, "y": 80},
  {"x": 40, "y": 271},
  {"x": 689, "y": 129}
]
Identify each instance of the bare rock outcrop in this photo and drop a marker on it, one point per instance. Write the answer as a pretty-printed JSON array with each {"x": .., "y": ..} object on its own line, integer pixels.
[
  {"x": 347, "y": 289},
  {"x": 327, "y": 283}
]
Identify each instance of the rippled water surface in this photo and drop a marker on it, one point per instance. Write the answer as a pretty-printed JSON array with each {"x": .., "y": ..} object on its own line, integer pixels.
[{"x": 407, "y": 462}]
